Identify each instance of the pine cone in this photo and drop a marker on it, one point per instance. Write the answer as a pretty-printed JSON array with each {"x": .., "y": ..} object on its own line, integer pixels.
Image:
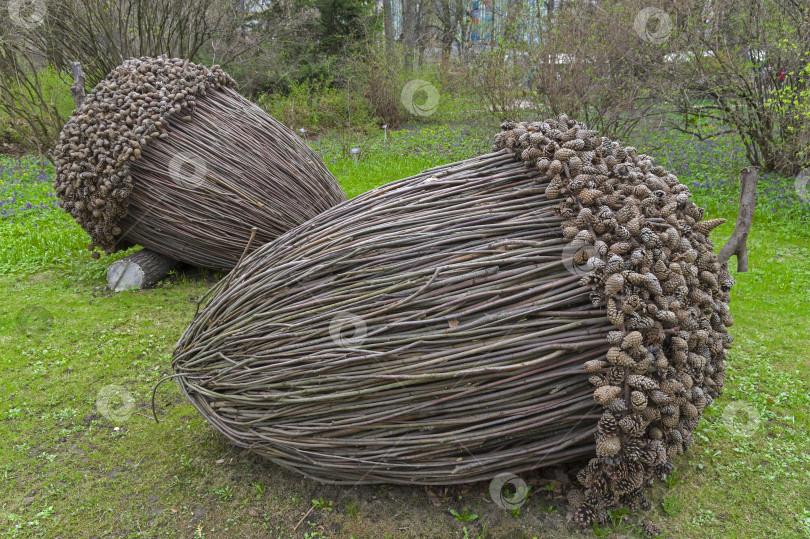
[
  {"x": 638, "y": 400},
  {"x": 607, "y": 445},
  {"x": 614, "y": 285},
  {"x": 615, "y": 337},
  {"x": 616, "y": 356},
  {"x": 632, "y": 424},
  {"x": 608, "y": 424},
  {"x": 585, "y": 515},
  {"x": 649, "y": 529},
  {"x": 617, "y": 406},
  {"x": 705, "y": 227},
  {"x": 595, "y": 365},
  {"x": 575, "y": 497},
  {"x": 603, "y": 395},
  {"x": 632, "y": 340},
  {"x": 641, "y": 382}
]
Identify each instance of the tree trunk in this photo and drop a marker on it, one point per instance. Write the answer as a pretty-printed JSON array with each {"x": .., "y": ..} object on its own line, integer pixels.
[
  {"x": 388, "y": 23},
  {"x": 512, "y": 29},
  {"x": 463, "y": 30},
  {"x": 492, "y": 40},
  {"x": 449, "y": 23},
  {"x": 421, "y": 36},
  {"x": 143, "y": 269},
  {"x": 409, "y": 31},
  {"x": 736, "y": 244},
  {"x": 447, "y": 51}
]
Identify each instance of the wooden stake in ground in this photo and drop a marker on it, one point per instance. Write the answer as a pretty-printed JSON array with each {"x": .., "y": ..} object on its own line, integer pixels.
[
  {"x": 143, "y": 269},
  {"x": 77, "y": 90},
  {"x": 736, "y": 244}
]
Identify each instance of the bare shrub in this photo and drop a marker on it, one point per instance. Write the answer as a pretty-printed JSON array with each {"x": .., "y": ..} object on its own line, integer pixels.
[
  {"x": 380, "y": 70},
  {"x": 592, "y": 66},
  {"x": 101, "y": 34},
  {"x": 744, "y": 68},
  {"x": 500, "y": 76},
  {"x": 34, "y": 98},
  {"x": 35, "y": 58}
]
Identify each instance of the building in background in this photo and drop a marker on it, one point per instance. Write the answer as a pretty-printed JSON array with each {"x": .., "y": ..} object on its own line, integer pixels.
[
  {"x": 470, "y": 24},
  {"x": 481, "y": 20}
]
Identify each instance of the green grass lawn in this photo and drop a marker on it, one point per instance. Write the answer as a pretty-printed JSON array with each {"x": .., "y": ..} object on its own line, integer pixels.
[{"x": 81, "y": 456}]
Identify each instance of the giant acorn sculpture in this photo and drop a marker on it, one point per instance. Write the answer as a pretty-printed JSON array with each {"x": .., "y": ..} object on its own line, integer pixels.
[
  {"x": 165, "y": 154},
  {"x": 556, "y": 300}
]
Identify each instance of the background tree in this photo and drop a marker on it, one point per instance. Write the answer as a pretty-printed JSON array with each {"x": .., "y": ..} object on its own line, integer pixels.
[
  {"x": 342, "y": 22},
  {"x": 743, "y": 67}
]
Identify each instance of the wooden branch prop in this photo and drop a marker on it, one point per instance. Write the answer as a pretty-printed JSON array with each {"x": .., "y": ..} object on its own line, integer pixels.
[
  {"x": 143, "y": 269},
  {"x": 736, "y": 245},
  {"x": 77, "y": 90}
]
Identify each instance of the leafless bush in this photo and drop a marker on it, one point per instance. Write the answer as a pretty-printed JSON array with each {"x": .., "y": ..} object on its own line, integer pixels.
[
  {"x": 744, "y": 68},
  {"x": 379, "y": 66},
  {"x": 592, "y": 66},
  {"x": 500, "y": 77},
  {"x": 32, "y": 96},
  {"x": 35, "y": 56},
  {"x": 101, "y": 34}
]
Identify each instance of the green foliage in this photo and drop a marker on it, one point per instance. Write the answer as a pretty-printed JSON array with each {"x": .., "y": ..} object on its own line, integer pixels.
[
  {"x": 464, "y": 516},
  {"x": 324, "y": 505},
  {"x": 35, "y": 233},
  {"x": 368, "y": 93},
  {"x": 225, "y": 493},
  {"x": 804, "y": 521},
  {"x": 319, "y": 106},
  {"x": 481, "y": 535},
  {"x": 343, "y": 22},
  {"x": 352, "y": 508},
  {"x": 259, "y": 489},
  {"x": 298, "y": 42},
  {"x": 621, "y": 521},
  {"x": 672, "y": 480},
  {"x": 671, "y": 506},
  {"x": 549, "y": 509}
]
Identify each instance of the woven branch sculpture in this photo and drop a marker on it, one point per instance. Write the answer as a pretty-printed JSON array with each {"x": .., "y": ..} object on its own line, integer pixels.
[
  {"x": 165, "y": 154},
  {"x": 493, "y": 315}
]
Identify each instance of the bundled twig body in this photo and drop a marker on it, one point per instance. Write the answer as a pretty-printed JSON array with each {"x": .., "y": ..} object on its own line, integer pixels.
[
  {"x": 462, "y": 345},
  {"x": 165, "y": 154},
  {"x": 501, "y": 317}
]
